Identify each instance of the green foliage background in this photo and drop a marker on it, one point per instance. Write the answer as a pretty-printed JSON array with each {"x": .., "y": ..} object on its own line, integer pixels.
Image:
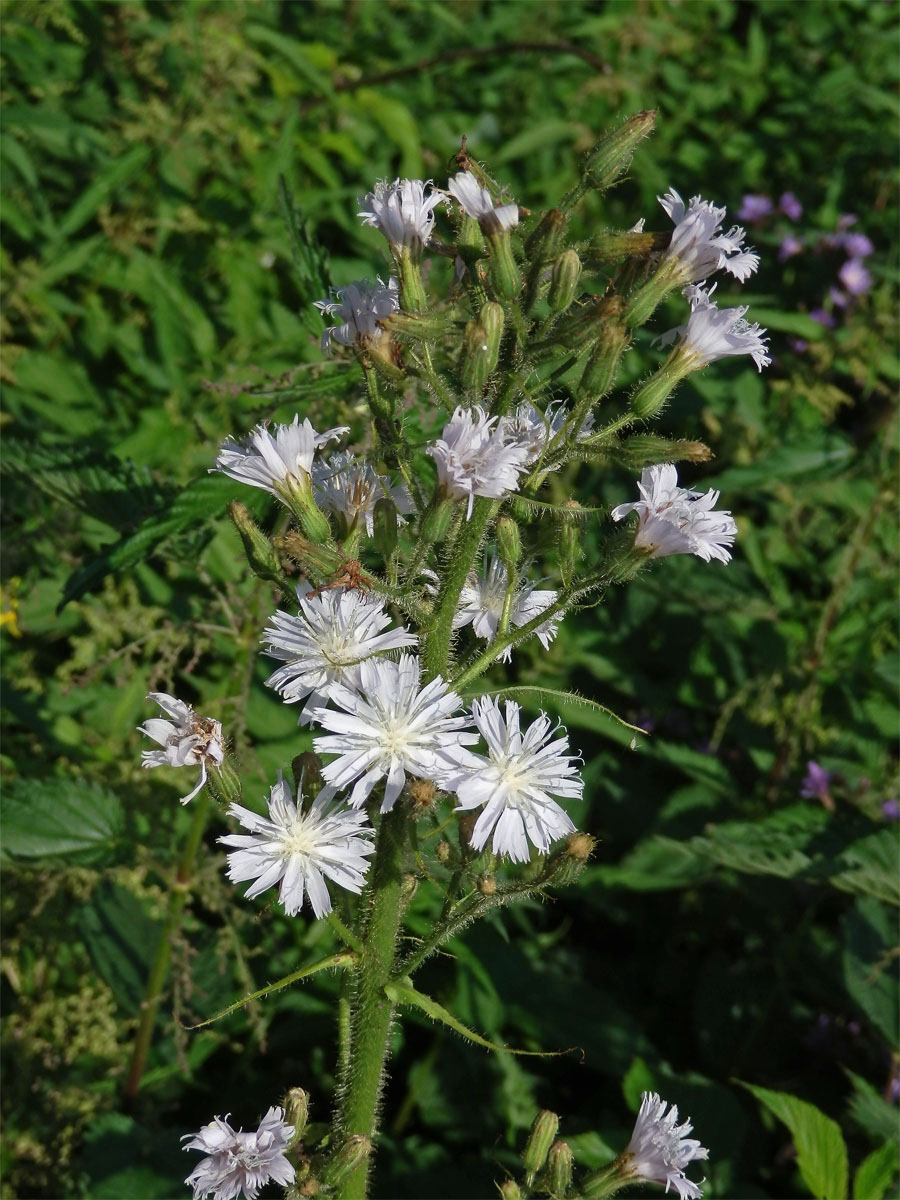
[{"x": 728, "y": 929}]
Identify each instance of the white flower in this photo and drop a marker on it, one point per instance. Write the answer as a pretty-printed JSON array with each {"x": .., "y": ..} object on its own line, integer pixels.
[
  {"x": 401, "y": 211},
  {"x": 275, "y": 464},
  {"x": 298, "y": 848},
  {"x": 359, "y": 307},
  {"x": 390, "y": 727},
  {"x": 698, "y": 244},
  {"x": 660, "y": 1149},
  {"x": 674, "y": 520},
  {"x": 186, "y": 740},
  {"x": 474, "y": 458},
  {"x": 333, "y": 634},
  {"x": 516, "y": 781},
  {"x": 712, "y": 333},
  {"x": 348, "y": 486},
  {"x": 534, "y": 430},
  {"x": 477, "y": 203},
  {"x": 238, "y": 1163},
  {"x": 481, "y": 604}
]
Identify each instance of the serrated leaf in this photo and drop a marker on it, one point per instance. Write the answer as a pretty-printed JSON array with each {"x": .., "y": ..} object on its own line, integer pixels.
[
  {"x": 121, "y": 939},
  {"x": 869, "y": 867},
  {"x": 200, "y": 501},
  {"x": 821, "y": 1150},
  {"x": 876, "y": 1173},
  {"x": 115, "y": 176},
  {"x": 51, "y": 818},
  {"x": 870, "y": 1111},
  {"x": 870, "y": 964}
]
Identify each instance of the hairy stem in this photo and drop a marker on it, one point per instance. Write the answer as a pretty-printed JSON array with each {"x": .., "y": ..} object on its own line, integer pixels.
[{"x": 371, "y": 1010}]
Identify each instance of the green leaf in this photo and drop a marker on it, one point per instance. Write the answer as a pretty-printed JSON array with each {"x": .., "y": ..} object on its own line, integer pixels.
[
  {"x": 869, "y": 867},
  {"x": 869, "y": 1110},
  {"x": 590, "y": 1150},
  {"x": 876, "y": 1173},
  {"x": 52, "y": 818},
  {"x": 821, "y": 1150},
  {"x": 116, "y": 176},
  {"x": 403, "y": 992},
  {"x": 121, "y": 939},
  {"x": 870, "y": 964}
]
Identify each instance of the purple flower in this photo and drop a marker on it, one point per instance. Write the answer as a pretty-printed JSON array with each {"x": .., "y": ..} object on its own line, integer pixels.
[
  {"x": 891, "y": 810},
  {"x": 821, "y": 317},
  {"x": 816, "y": 782},
  {"x": 790, "y": 206},
  {"x": 789, "y": 247},
  {"x": 854, "y": 276},
  {"x": 855, "y": 245},
  {"x": 837, "y": 297},
  {"x": 798, "y": 345},
  {"x": 754, "y": 208},
  {"x": 845, "y": 221}
]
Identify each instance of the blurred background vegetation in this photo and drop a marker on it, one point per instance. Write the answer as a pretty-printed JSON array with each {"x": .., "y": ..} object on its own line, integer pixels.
[{"x": 731, "y": 928}]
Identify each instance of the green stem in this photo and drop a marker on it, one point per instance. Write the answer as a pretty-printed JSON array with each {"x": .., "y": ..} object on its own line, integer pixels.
[
  {"x": 465, "y": 551},
  {"x": 153, "y": 992},
  {"x": 371, "y": 1009}
]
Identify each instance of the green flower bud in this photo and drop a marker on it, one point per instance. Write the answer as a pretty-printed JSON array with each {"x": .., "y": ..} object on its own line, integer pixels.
[
  {"x": 612, "y": 156},
  {"x": 296, "y": 1111},
  {"x": 601, "y": 369},
  {"x": 509, "y": 542},
  {"x": 650, "y": 397},
  {"x": 259, "y": 550},
  {"x": 352, "y": 1154},
  {"x": 436, "y": 522},
  {"x": 384, "y": 527},
  {"x": 504, "y": 272},
  {"x": 224, "y": 782},
  {"x": 643, "y": 449},
  {"x": 481, "y": 346},
  {"x": 540, "y": 1139},
  {"x": 567, "y": 546},
  {"x": 564, "y": 281},
  {"x": 559, "y": 1169},
  {"x": 509, "y": 1190},
  {"x": 643, "y": 302}
]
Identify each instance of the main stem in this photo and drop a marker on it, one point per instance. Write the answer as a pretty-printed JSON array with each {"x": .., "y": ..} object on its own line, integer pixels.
[
  {"x": 153, "y": 992},
  {"x": 372, "y": 1011}
]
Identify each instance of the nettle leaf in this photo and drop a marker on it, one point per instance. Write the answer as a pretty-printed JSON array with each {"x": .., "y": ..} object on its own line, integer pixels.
[
  {"x": 121, "y": 938},
  {"x": 774, "y": 846},
  {"x": 876, "y": 1173},
  {"x": 201, "y": 501},
  {"x": 869, "y": 1110},
  {"x": 821, "y": 1150},
  {"x": 870, "y": 964},
  {"x": 54, "y": 818},
  {"x": 869, "y": 867}
]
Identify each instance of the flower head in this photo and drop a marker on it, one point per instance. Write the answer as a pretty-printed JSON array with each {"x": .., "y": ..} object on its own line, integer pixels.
[
  {"x": 348, "y": 486},
  {"x": 790, "y": 206},
  {"x": 390, "y": 726},
  {"x": 186, "y": 740},
  {"x": 333, "y": 633},
  {"x": 477, "y": 203},
  {"x": 754, "y": 207},
  {"x": 481, "y": 605},
  {"x": 299, "y": 848},
  {"x": 674, "y": 520},
  {"x": 854, "y": 276},
  {"x": 534, "y": 430},
  {"x": 278, "y": 464},
  {"x": 474, "y": 456},
  {"x": 359, "y": 307},
  {"x": 516, "y": 781},
  {"x": 698, "y": 244},
  {"x": 816, "y": 782},
  {"x": 401, "y": 211},
  {"x": 855, "y": 245},
  {"x": 238, "y": 1163},
  {"x": 660, "y": 1149},
  {"x": 713, "y": 333}
]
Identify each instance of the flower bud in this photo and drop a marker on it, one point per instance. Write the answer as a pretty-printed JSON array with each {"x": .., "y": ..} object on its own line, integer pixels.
[
  {"x": 564, "y": 281},
  {"x": 352, "y": 1154},
  {"x": 296, "y": 1111},
  {"x": 436, "y": 522},
  {"x": 643, "y": 302},
  {"x": 612, "y": 156},
  {"x": 540, "y": 1139},
  {"x": 504, "y": 272},
  {"x": 601, "y": 369},
  {"x": 509, "y": 1190},
  {"x": 559, "y": 1169},
  {"x": 486, "y": 884},
  {"x": 259, "y": 550},
  {"x": 509, "y": 542},
  {"x": 651, "y": 395},
  {"x": 384, "y": 527},
  {"x": 224, "y": 782},
  {"x": 580, "y": 846},
  {"x": 481, "y": 346},
  {"x": 643, "y": 449},
  {"x": 567, "y": 546},
  {"x": 443, "y": 852}
]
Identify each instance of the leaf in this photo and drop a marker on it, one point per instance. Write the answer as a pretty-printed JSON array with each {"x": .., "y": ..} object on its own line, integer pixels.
[
  {"x": 869, "y": 867},
  {"x": 121, "y": 939},
  {"x": 51, "y": 818},
  {"x": 590, "y": 1150},
  {"x": 116, "y": 176},
  {"x": 870, "y": 964},
  {"x": 821, "y": 1150},
  {"x": 343, "y": 958},
  {"x": 403, "y": 992},
  {"x": 876, "y": 1173},
  {"x": 536, "y": 692},
  {"x": 206, "y": 497},
  {"x": 870, "y": 1111}
]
